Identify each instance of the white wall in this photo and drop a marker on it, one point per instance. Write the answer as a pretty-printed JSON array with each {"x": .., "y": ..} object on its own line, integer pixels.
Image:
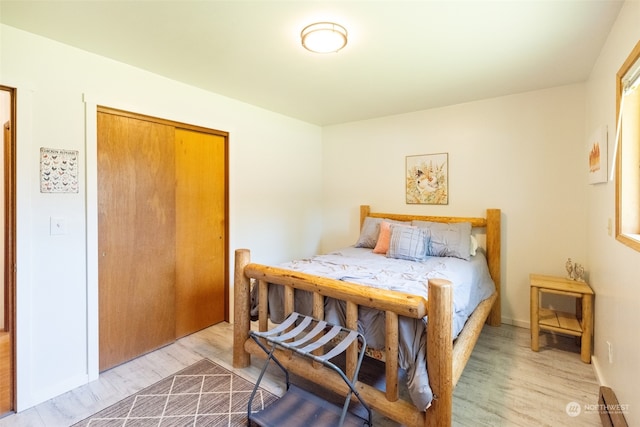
[
  {"x": 522, "y": 153},
  {"x": 275, "y": 197},
  {"x": 614, "y": 268}
]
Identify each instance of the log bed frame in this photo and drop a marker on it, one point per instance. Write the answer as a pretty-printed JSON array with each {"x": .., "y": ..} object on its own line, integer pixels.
[{"x": 446, "y": 358}]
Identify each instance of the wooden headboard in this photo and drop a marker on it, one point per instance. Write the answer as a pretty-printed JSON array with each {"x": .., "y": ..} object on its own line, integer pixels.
[{"x": 492, "y": 225}]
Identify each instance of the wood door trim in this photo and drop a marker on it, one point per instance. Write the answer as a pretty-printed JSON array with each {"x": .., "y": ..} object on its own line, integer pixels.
[
  {"x": 178, "y": 125},
  {"x": 9, "y": 152}
]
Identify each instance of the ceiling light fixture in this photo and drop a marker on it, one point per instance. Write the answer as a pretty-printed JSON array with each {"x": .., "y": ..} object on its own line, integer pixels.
[{"x": 324, "y": 37}]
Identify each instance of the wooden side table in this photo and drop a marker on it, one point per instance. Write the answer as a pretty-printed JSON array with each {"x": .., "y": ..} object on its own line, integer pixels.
[{"x": 579, "y": 325}]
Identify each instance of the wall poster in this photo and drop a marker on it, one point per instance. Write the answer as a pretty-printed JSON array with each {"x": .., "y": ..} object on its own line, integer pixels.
[{"x": 58, "y": 171}]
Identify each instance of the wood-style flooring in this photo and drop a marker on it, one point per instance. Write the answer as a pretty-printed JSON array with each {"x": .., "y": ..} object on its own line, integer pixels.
[{"x": 504, "y": 383}]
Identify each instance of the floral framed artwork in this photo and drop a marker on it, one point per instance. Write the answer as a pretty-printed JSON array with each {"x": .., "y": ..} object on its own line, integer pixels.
[{"x": 427, "y": 179}]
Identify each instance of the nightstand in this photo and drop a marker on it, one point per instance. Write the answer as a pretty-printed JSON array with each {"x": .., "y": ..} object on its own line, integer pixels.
[{"x": 579, "y": 325}]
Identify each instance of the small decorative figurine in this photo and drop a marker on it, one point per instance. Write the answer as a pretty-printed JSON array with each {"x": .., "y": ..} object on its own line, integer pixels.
[
  {"x": 569, "y": 266},
  {"x": 575, "y": 271},
  {"x": 578, "y": 272}
]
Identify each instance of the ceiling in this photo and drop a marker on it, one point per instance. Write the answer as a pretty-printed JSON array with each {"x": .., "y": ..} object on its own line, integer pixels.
[{"x": 402, "y": 56}]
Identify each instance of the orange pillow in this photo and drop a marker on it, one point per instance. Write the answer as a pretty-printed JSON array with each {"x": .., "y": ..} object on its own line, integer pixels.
[
  {"x": 382, "y": 246},
  {"x": 384, "y": 237}
]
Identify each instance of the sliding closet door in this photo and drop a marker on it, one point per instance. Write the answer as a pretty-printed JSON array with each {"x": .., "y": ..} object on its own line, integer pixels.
[
  {"x": 136, "y": 237},
  {"x": 200, "y": 230}
]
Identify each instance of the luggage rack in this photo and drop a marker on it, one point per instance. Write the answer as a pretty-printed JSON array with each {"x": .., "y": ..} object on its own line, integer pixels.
[{"x": 298, "y": 407}]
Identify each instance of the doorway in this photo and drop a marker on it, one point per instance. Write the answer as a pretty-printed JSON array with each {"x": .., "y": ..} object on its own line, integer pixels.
[{"x": 7, "y": 260}]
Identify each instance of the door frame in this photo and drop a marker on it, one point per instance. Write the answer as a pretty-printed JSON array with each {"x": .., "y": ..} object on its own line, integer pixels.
[
  {"x": 9, "y": 182},
  {"x": 91, "y": 104}
]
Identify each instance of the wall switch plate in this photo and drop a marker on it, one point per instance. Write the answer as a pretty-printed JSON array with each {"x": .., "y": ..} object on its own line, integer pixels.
[
  {"x": 610, "y": 348},
  {"x": 57, "y": 226}
]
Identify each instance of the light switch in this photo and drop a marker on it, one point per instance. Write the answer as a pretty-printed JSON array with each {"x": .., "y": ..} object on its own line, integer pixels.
[{"x": 57, "y": 226}]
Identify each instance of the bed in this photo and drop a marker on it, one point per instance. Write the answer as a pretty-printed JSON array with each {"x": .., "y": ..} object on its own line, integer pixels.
[{"x": 445, "y": 347}]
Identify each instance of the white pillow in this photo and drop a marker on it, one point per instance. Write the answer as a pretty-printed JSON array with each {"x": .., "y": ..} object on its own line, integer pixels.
[{"x": 473, "y": 245}]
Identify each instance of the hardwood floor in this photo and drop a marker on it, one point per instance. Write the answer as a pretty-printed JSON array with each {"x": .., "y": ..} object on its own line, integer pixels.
[{"x": 504, "y": 383}]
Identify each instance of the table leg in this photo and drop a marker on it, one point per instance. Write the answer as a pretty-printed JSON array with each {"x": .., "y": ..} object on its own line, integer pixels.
[
  {"x": 579, "y": 317},
  {"x": 587, "y": 328},
  {"x": 535, "y": 328}
]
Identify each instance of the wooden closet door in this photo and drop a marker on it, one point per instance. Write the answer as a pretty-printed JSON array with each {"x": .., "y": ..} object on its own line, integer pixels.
[
  {"x": 200, "y": 230},
  {"x": 136, "y": 237}
]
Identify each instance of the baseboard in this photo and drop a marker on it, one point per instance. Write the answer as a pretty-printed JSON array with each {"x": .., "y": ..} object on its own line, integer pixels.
[
  {"x": 595, "y": 362},
  {"x": 36, "y": 397},
  {"x": 611, "y": 412},
  {"x": 516, "y": 322}
]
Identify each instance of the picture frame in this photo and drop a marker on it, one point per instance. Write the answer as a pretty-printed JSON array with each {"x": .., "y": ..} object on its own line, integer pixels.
[
  {"x": 58, "y": 170},
  {"x": 427, "y": 179},
  {"x": 597, "y": 156}
]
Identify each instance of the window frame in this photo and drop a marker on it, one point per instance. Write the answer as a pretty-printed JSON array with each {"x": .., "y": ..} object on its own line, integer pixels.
[{"x": 630, "y": 239}]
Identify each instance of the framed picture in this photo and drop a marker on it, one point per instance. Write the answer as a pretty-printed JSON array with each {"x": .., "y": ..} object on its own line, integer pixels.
[
  {"x": 58, "y": 171},
  {"x": 427, "y": 179},
  {"x": 598, "y": 156}
]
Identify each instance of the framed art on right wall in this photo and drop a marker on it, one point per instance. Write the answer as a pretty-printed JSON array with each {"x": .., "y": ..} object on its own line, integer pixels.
[{"x": 598, "y": 156}]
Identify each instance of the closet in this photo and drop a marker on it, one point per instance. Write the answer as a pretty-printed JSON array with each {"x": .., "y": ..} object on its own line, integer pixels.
[{"x": 162, "y": 232}]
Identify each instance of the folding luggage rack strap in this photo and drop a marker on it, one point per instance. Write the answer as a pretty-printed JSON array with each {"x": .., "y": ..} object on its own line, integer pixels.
[{"x": 303, "y": 335}]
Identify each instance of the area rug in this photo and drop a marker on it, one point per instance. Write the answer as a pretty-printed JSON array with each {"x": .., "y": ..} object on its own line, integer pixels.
[{"x": 201, "y": 395}]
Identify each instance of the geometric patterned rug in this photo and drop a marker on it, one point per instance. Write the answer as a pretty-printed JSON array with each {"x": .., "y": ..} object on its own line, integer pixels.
[{"x": 203, "y": 394}]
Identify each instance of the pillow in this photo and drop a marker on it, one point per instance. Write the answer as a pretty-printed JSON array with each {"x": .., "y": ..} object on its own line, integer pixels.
[
  {"x": 448, "y": 239},
  {"x": 408, "y": 243},
  {"x": 382, "y": 245},
  {"x": 370, "y": 231},
  {"x": 473, "y": 245}
]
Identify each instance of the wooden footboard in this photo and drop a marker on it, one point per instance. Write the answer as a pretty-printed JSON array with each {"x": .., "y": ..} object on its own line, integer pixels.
[{"x": 445, "y": 359}]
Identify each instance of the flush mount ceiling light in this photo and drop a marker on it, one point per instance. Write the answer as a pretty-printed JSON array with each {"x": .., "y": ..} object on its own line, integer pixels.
[{"x": 324, "y": 37}]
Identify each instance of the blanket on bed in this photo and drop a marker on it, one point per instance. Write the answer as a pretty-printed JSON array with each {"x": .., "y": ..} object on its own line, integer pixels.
[{"x": 471, "y": 281}]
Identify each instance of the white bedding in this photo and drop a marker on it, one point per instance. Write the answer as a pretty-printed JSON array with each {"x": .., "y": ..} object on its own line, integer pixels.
[{"x": 471, "y": 285}]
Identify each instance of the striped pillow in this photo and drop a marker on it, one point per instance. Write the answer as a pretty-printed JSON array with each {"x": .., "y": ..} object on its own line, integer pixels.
[
  {"x": 447, "y": 239},
  {"x": 408, "y": 243}
]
